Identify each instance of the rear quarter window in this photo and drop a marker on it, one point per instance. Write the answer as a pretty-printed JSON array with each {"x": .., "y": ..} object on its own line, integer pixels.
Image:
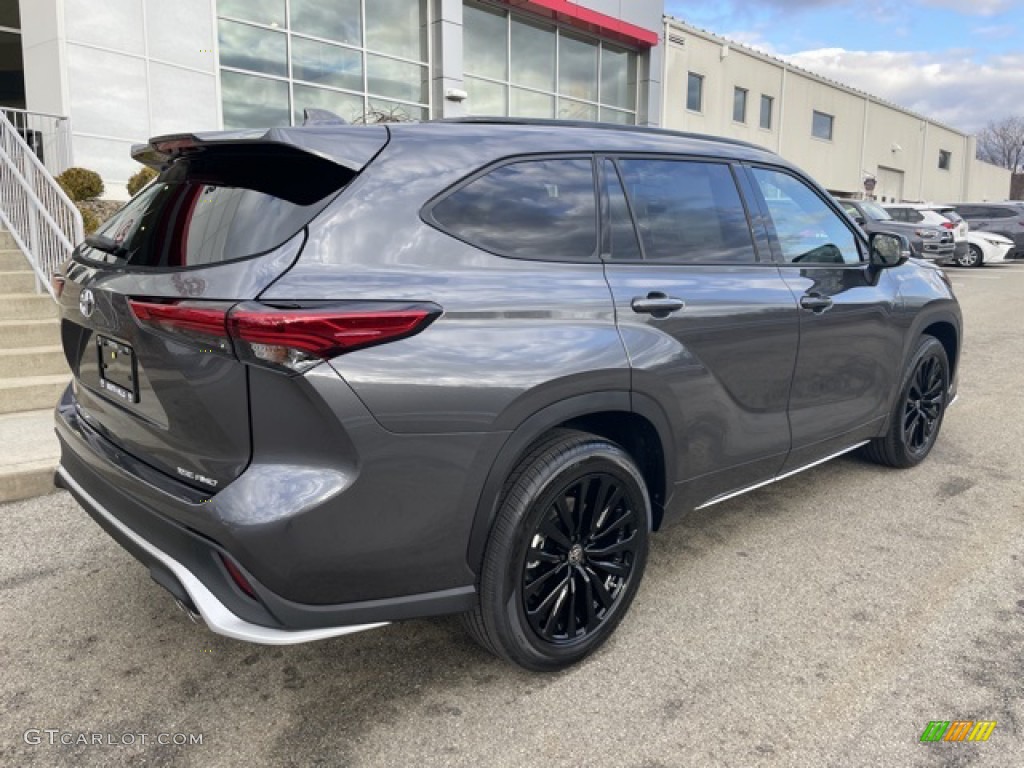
[{"x": 541, "y": 209}]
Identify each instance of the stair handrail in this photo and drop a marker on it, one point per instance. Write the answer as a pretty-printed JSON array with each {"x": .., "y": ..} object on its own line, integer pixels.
[{"x": 44, "y": 222}]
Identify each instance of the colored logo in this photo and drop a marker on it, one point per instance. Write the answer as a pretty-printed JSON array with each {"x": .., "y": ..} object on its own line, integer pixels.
[{"x": 958, "y": 730}]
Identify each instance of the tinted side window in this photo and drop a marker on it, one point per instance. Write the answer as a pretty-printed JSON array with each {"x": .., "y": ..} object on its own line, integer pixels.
[
  {"x": 807, "y": 229},
  {"x": 534, "y": 209},
  {"x": 623, "y": 236},
  {"x": 1000, "y": 213},
  {"x": 687, "y": 212}
]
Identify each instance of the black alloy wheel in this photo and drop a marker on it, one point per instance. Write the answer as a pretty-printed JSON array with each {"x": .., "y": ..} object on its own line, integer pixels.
[
  {"x": 580, "y": 559},
  {"x": 917, "y": 415},
  {"x": 566, "y": 552}
]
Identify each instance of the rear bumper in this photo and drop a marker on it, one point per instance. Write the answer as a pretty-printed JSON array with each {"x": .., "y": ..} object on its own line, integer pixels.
[
  {"x": 321, "y": 564},
  {"x": 193, "y": 592}
]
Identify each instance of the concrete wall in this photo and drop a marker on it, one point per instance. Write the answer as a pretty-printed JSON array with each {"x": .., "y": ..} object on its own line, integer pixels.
[
  {"x": 123, "y": 70},
  {"x": 870, "y": 137}
]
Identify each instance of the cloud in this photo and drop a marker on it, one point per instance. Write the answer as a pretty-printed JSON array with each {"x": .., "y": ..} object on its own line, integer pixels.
[
  {"x": 949, "y": 86},
  {"x": 973, "y": 8}
]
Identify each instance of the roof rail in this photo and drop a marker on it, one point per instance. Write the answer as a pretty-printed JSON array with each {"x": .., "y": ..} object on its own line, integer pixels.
[{"x": 539, "y": 121}]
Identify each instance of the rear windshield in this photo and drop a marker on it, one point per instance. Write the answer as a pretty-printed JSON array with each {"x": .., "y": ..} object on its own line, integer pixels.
[{"x": 219, "y": 205}]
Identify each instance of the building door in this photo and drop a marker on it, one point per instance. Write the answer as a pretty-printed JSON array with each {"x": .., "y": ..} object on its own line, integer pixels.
[{"x": 889, "y": 188}]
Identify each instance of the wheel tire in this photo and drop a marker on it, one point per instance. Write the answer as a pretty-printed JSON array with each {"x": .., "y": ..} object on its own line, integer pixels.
[
  {"x": 973, "y": 258},
  {"x": 556, "y": 580},
  {"x": 917, "y": 415}
]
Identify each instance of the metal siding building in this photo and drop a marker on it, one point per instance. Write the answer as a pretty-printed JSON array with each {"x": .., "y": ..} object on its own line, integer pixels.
[{"x": 908, "y": 156}]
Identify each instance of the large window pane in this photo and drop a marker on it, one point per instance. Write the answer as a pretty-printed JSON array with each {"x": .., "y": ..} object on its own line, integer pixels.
[
  {"x": 327, "y": 64},
  {"x": 618, "y": 77},
  {"x": 576, "y": 110},
  {"x": 577, "y": 67},
  {"x": 808, "y": 230},
  {"x": 346, "y": 105},
  {"x": 335, "y": 20},
  {"x": 533, "y": 55},
  {"x": 269, "y": 12},
  {"x": 617, "y": 116},
  {"x": 530, "y": 104},
  {"x": 485, "y": 42},
  {"x": 253, "y": 102},
  {"x": 12, "y": 84},
  {"x": 382, "y": 110},
  {"x": 396, "y": 79},
  {"x": 258, "y": 50},
  {"x": 486, "y": 98},
  {"x": 687, "y": 211},
  {"x": 397, "y": 27},
  {"x": 540, "y": 209}
]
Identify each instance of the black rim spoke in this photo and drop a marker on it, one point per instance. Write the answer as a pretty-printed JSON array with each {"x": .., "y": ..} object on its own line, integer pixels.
[
  {"x": 580, "y": 558},
  {"x": 923, "y": 408}
]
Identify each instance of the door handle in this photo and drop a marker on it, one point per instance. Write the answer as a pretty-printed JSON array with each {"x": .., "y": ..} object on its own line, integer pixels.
[
  {"x": 815, "y": 302},
  {"x": 657, "y": 304}
]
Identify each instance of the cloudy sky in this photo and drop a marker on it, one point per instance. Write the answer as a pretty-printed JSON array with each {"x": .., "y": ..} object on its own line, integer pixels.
[{"x": 960, "y": 62}]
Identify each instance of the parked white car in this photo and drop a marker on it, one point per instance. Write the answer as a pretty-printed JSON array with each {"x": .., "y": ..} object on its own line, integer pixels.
[
  {"x": 987, "y": 248},
  {"x": 937, "y": 215}
]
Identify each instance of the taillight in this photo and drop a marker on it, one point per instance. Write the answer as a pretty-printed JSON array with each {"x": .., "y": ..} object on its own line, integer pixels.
[
  {"x": 292, "y": 339},
  {"x": 948, "y": 225},
  {"x": 237, "y": 576}
]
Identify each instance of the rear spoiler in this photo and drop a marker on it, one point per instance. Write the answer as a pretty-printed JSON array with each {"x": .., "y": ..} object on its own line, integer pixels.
[{"x": 351, "y": 147}]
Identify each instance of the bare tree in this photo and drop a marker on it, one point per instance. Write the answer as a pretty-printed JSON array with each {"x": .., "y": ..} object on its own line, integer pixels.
[{"x": 1002, "y": 143}]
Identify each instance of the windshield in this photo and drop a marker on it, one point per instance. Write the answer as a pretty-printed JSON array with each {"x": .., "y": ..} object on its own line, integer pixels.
[{"x": 874, "y": 211}]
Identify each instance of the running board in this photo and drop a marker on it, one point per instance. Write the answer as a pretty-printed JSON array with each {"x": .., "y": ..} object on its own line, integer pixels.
[{"x": 762, "y": 484}]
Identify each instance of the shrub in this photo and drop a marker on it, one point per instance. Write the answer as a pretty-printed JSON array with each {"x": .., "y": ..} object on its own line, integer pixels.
[
  {"x": 140, "y": 179},
  {"x": 90, "y": 221},
  {"x": 81, "y": 184}
]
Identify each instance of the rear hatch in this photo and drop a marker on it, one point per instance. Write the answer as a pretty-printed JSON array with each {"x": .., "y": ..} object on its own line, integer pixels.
[{"x": 147, "y": 298}]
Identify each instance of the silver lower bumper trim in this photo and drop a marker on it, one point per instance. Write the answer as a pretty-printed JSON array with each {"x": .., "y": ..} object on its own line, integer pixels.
[{"x": 216, "y": 615}]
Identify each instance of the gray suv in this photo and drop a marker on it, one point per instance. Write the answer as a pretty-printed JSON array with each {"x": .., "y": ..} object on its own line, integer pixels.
[
  {"x": 328, "y": 377},
  {"x": 926, "y": 241}
]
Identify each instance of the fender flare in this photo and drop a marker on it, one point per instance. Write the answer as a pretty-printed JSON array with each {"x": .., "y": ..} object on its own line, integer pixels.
[{"x": 532, "y": 428}]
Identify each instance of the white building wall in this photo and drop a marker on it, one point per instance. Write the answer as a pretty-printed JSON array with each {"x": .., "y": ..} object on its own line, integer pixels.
[
  {"x": 123, "y": 70},
  {"x": 870, "y": 137}
]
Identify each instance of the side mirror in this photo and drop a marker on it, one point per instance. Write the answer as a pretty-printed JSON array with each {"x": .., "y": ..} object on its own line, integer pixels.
[{"x": 888, "y": 250}]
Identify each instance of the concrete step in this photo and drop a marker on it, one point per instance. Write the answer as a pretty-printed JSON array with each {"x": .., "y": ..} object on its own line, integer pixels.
[
  {"x": 23, "y": 281},
  {"x": 11, "y": 259},
  {"x": 29, "y": 393},
  {"x": 29, "y": 453},
  {"x": 27, "y": 306},
  {"x": 6, "y": 241},
  {"x": 16, "y": 334},
  {"x": 32, "y": 361}
]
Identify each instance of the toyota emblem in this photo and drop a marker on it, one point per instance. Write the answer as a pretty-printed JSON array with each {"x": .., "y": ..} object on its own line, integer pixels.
[{"x": 86, "y": 303}]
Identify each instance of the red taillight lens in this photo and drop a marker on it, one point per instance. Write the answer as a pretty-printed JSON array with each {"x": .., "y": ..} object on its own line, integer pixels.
[
  {"x": 202, "y": 324},
  {"x": 293, "y": 339},
  {"x": 948, "y": 225}
]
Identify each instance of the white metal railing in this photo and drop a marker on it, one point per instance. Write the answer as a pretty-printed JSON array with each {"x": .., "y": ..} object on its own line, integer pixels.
[
  {"x": 48, "y": 135},
  {"x": 41, "y": 218}
]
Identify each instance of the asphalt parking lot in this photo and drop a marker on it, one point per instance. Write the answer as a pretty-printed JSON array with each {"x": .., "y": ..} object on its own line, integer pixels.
[{"x": 823, "y": 621}]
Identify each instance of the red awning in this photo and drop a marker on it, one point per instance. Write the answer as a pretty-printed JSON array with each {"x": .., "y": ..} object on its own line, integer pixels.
[{"x": 599, "y": 23}]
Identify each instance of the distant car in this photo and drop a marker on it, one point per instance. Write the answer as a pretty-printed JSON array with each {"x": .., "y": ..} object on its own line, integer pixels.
[
  {"x": 1006, "y": 219},
  {"x": 987, "y": 248},
  {"x": 944, "y": 216},
  {"x": 933, "y": 242}
]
